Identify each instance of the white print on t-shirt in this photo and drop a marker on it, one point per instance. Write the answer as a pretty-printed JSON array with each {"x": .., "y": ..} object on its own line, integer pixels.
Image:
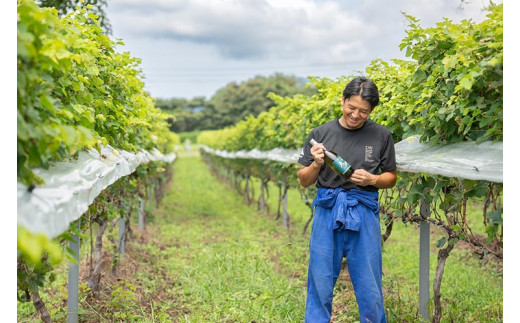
[{"x": 368, "y": 153}]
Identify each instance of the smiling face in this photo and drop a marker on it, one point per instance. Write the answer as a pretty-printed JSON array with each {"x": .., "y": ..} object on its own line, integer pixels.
[{"x": 355, "y": 112}]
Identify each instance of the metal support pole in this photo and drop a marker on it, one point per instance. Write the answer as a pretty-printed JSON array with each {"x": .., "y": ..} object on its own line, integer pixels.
[
  {"x": 122, "y": 229},
  {"x": 424, "y": 262},
  {"x": 262, "y": 199},
  {"x": 158, "y": 189},
  {"x": 73, "y": 282},
  {"x": 247, "y": 189},
  {"x": 150, "y": 198},
  {"x": 285, "y": 212},
  {"x": 141, "y": 214}
]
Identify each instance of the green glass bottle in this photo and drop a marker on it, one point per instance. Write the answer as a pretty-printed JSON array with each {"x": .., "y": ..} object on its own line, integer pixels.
[{"x": 338, "y": 164}]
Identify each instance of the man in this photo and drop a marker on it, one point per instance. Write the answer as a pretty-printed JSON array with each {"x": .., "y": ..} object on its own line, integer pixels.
[{"x": 346, "y": 217}]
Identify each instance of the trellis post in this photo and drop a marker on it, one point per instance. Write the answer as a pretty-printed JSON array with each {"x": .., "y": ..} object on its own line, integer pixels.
[
  {"x": 141, "y": 214},
  {"x": 150, "y": 197},
  {"x": 262, "y": 199},
  {"x": 122, "y": 229},
  {"x": 285, "y": 213},
  {"x": 424, "y": 261},
  {"x": 73, "y": 279},
  {"x": 247, "y": 189}
]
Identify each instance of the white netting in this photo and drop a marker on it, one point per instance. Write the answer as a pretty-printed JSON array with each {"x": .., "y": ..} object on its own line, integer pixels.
[
  {"x": 467, "y": 160},
  {"x": 70, "y": 187},
  {"x": 276, "y": 154}
]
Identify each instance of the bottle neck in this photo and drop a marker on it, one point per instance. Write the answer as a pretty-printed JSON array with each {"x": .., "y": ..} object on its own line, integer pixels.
[
  {"x": 327, "y": 153},
  {"x": 330, "y": 155}
]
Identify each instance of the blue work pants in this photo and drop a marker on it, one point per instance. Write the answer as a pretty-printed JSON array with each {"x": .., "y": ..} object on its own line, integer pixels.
[{"x": 362, "y": 250}]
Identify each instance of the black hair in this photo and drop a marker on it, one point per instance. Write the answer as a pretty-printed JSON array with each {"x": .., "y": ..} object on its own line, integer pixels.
[{"x": 363, "y": 87}]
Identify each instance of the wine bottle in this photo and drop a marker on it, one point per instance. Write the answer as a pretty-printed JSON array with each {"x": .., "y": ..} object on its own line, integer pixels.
[{"x": 338, "y": 164}]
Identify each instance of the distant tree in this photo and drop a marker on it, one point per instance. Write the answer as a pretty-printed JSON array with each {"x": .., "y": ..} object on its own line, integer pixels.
[
  {"x": 187, "y": 115},
  {"x": 235, "y": 102},
  {"x": 169, "y": 105},
  {"x": 66, "y": 6},
  {"x": 196, "y": 103}
]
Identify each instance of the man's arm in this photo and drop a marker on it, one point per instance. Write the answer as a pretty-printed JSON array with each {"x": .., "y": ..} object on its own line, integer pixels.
[
  {"x": 384, "y": 180},
  {"x": 308, "y": 175}
]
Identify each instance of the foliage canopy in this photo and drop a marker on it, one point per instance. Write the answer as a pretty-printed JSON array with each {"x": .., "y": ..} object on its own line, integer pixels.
[{"x": 75, "y": 91}]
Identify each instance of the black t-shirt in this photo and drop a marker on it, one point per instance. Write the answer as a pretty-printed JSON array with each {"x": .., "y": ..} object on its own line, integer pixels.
[{"x": 370, "y": 147}]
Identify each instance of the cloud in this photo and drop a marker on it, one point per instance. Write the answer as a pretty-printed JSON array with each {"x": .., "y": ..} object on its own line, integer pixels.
[
  {"x": 193, "y": 47},
  {"x": 254, "y": 29}
]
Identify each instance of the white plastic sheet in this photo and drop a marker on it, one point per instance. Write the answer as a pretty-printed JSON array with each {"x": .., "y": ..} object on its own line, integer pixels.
[
  {"x": 276, "y": 154},
  {"x": 467, "y": 160},
  {"x": 70, "y": 187}
]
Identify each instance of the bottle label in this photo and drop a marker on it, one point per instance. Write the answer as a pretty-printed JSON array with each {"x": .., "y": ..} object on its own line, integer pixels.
[{"x": 341, "y": 165}]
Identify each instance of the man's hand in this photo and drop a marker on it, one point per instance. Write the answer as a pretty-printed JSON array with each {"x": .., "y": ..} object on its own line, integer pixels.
[
  {"x": 363, "y": 178},
  {"x": 308, "y": 175},
  {"x": 318, "y": 153}
]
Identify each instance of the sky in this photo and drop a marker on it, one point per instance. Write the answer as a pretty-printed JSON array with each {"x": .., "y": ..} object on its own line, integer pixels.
[{"x": 192, "y": 48}]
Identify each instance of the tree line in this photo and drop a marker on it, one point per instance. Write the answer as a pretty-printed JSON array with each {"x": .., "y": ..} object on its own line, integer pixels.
[{"x": 232, "y": 103}]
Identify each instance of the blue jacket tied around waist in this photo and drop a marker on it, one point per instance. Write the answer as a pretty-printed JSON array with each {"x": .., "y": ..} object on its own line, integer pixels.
[{"x": 342, "y": 203}]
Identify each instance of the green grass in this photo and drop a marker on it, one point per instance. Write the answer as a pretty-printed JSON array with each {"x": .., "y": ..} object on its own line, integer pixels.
[
  {"x": 471, "y": 291},
  {"x": 209, "y": 257},
  {"x": 231, "y": 263}
]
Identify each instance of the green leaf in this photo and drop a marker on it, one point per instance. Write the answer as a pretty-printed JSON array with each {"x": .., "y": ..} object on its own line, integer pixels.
[
  {"x": 68, "y": 116},
  {"x": 419, "y": 76},
  {"x": 450, "y": 62},
  {"x": 21, "y": 127},
  {"x": 466, "y": 82},
  {"x": 441, "y": 242},
  {"x": 30, "y": 245},
  {"x": 47, "y": 103},
  {"x": 494, "y": 61},
  {"x": 453, "y": 241},
  {"x": 495, "y": 217}
]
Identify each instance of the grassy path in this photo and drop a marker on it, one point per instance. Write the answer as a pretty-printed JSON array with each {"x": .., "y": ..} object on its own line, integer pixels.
[
  {"x": 232, "y": 264},
  {"x": 228, "y": 262}
]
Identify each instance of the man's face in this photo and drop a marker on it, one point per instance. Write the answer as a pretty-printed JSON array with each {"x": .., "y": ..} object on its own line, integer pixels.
[{"x": 355, "y": 112}]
